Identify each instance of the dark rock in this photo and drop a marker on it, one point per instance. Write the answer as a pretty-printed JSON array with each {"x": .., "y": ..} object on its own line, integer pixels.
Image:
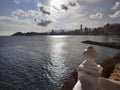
[
  {"x": 70, "y": 81},
  {"x": 106, "y": 44}
]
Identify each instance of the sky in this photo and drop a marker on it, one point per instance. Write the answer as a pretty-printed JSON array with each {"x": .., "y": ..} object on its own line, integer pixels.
[{"x": 45, "y": 15}]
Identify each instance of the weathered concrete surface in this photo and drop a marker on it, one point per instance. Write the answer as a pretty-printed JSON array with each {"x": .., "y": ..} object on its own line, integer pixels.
[
  {"x": 107, "y": 84},
  {"x": 86, "y": 82}
]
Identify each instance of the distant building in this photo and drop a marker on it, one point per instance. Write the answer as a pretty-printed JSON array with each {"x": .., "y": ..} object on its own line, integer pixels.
[
  {"x": 81, "y": 27},
  {"x": 86, "y": 30},
  {"x": 62, "y": 31},
  {"x": 77, "y": 31},
  {"x": 112, "y": 29}
]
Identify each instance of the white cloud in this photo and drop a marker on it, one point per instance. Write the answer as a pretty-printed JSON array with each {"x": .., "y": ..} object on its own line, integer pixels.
[
  {"x": 91, "y": 1},
  {"x": 20, "y": 12},
  {"x": 30, "y": 12},
  {"x": 58, "y": 13},
  {"x": 115, "y": 15},
  {"x": 97, "y": 15},
  {"x": 33, "y": 13},
  {"x": 42, "y": 5},
  {"x": 116, "y": 6},
  {"x": 14, "y": 20},
  {"x": 53, "y": 13},
  {"x": 39, "y": 4},
  {"x": 16, "y": 1},
  {"x": 6, "y": 19}
]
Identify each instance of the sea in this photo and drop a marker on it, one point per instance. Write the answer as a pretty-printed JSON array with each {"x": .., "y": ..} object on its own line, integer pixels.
[{"x": 44, "y": 62}]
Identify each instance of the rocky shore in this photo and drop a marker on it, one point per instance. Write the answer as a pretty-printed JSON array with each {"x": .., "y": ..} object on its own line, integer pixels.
[
  {"x": 70, "y": 81},
  {"x": 115, "y": 75}
]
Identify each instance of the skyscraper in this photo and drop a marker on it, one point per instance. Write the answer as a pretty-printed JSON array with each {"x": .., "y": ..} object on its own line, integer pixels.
[{"x": 81, "y": 27}]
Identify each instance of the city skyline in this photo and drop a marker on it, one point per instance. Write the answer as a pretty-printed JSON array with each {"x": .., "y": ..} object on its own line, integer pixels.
[
  {"x": 108, "y": 29},
  {"x": 45, "y": 15}
]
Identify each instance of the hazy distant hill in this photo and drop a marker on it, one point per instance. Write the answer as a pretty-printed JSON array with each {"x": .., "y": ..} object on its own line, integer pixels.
[{"x": 28, "y": 34}]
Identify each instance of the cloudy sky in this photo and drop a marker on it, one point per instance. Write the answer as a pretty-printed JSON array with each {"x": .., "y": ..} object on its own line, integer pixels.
[{"x": 44, "y": 15}]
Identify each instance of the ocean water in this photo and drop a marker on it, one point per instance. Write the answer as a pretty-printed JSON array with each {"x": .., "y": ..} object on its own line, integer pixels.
[{"x": 43, "y": 62}]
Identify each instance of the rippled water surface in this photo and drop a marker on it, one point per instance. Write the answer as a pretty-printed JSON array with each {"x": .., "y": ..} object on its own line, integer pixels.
[{"x": 43, "y": 62}]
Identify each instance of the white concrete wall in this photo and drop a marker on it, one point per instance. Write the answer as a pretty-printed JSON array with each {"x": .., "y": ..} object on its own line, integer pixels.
[
  {"x": 88, "y": 71},
  {"x": 107, "y": 84}
]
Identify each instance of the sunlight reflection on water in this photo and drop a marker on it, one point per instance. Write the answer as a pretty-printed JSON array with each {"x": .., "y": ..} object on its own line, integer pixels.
[
  {"x": 57, "y": 55},
  {"x": 58, "y": 36}
]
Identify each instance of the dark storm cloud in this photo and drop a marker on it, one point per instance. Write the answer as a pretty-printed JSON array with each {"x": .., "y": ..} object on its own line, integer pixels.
[
  {"x": 44, "y": 22},
  {"x": 42, "y": 9},
  {"x": 72, "y": 4},
  {"x": 64, "y": 7}
]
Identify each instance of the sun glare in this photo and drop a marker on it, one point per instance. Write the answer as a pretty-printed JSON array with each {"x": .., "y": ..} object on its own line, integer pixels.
[{"x": 56, "y": 3}]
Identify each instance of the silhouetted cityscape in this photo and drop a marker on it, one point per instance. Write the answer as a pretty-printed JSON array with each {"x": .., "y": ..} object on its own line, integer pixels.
[{"x": 108, "y": 29}]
